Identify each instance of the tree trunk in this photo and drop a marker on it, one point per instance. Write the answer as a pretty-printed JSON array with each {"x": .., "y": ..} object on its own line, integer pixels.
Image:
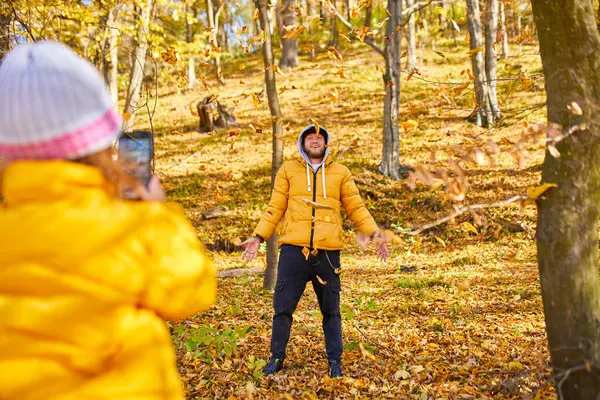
[
  {"x": 213, "y": 25},
  {"x": 189, "y": 38},
  {"x": 311, "y": 9},
  {"x": 277, "y": 159},
  {"x": 424, "y": 25},
  {"x": 348, "y": 10},
  {"x": 567, "y": 224},
  {"x": 289, "y": 55},
  {"x": 519, "y": 30},
  {"x": 411, "y": 39},
  {"x": 505, "y": 51},
  {"x": 490, "y": 56},
  {"x": 5, "y": 20},
  {"x": 334, "y": 39},
  {"x": 368, "y": 17},
  {"x": 112, "y": 76},
  {"x": 483, "y": 109},
  {"x": 132, "y": 102},
  {"x": 390, "y": 160}
]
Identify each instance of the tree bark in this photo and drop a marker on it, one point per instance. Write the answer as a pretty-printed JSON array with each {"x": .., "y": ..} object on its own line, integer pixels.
[
  {"x": 411, "y": 39},
  {"x": 368, "y": 17},
  {"x": 289, "y": 55},
  {"x": 490, "y": 57},
  {"x": 137, "y": 68},
  {"x": 189, "y": 38},
  {"x": 212, "y": 19},
  {"x": 390, "y": 160},
  {"x": 505, "y": 51},
  {"x": 277, "y": 157},
  {"x": 334, "y": 39},
  {"x": 567, "y": 224},
  {"x": 483, "y": 109}
]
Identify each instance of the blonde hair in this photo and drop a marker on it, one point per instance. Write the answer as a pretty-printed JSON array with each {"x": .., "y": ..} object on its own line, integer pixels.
[{"x": 112, "y": 169}]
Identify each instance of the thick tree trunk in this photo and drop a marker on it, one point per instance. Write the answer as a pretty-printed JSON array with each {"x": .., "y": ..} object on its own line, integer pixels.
[
  {"x": 483, "y": 109},
  {"x": 277, "y": 159},
  {"x": 289, "y": 55},
  {"x": 411, "y": 39},
  {"x": 505, "y": 51},
  {"x": 390, "y": 159},
  {"x": 490, "y": 56},
  {"x": 132, "y": 102},
  {"x": 567, "y": 225}
]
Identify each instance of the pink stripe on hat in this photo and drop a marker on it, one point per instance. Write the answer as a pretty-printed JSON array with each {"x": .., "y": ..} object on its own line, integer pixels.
[{"x": 93, "y": 137}]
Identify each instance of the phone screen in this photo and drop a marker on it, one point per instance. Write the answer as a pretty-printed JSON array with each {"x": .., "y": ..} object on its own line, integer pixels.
[{"x": 135, "y": 153}]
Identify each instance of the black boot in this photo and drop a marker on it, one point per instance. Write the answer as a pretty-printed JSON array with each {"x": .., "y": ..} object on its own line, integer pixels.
[
  {"x": 335, "y": 369},
  {"x": 274, "y": 365}
]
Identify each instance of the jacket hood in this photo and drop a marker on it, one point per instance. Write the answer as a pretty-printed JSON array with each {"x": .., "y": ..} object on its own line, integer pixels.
[{"x": 300, "y": 140}]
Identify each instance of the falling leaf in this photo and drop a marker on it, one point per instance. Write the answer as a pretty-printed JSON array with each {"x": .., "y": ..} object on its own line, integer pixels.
[
  {"x": 308, "y": 48},
  {"x": 345, "y": 37},
  {"x": 316, "y": 124},
  {"x": 404, "y": 54},
  {"x": 389, "y": 85},
  {"x": 388, "y": 12},
  {"x": 277, "y": 70},
  {"x": 236, "y": 102},
  {"x": 363, "y": 33},
  {"x": 194, "y": 113},
  {"x": 575, "y": 109},
  {"x": 409, "y": 124},
  {"x": 242, "y": 82},
  {"x": 470, "y": 227},
  {"x": 293, "y": 32},
  {"x": 282, "y": 90},
  {"x": 526, "y": 81},
  {"x": 553, "y": 150},
  {"x": 317, "y": 205},
  {"x": 398, "y": 28},
  {"x": 534, "y": 193},
  {"x": 321, "y": 281},
  {"x": 255, "y": 14},
  {"x": 455, "y": 25},
  {"x": 439, "y": 54},
  {"x": 459, "y": 89},
  {"x": 440, "y": 241},
  {"x": 237, "y": 241},
  {"x": 256, "y": 101},
  {"x": 244, "y": 29},
  {"x": 242, "y": 67},
  {"x": 127, "y": 116},
  {"x": 313, "y": 66},
  {"x": 474, "y": 51},
  {"x": 306, "y": 252}
]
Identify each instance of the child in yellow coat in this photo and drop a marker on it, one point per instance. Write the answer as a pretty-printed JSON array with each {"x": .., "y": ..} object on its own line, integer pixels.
[{"x": 86, "y": 278}]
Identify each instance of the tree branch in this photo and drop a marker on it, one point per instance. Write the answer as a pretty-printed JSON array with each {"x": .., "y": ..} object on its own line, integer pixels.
[
  {"x": 463, "y": 210},
  {"x": 23, "y": 24},
  {"x": 352, "y": 28}
]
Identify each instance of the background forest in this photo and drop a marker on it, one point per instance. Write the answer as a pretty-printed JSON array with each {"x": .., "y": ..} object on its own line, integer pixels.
[{"x": 472, "y": 130}]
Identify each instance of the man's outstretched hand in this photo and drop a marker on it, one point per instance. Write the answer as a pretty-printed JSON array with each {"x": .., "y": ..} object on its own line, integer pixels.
[
  {"x": 250, "y": 249},
  {"x": 380, "y": 241}
]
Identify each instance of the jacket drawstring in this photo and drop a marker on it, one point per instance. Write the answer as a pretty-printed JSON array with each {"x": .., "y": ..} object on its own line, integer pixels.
[
  {"x": 307, "y": 177},
  {"x": 324, "y": 186}
]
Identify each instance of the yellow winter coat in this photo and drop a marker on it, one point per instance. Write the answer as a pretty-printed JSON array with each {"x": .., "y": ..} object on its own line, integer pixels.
[
  {"x": 303, "y": 223},
  {"x": 85, "y": 280}
]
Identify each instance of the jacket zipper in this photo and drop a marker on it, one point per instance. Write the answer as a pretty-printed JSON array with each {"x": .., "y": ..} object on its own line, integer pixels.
[{"x": 312, "y": 223}]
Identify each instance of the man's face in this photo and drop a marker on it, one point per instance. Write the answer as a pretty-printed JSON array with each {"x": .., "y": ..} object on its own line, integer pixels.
[{"x": 314, "y": 145}]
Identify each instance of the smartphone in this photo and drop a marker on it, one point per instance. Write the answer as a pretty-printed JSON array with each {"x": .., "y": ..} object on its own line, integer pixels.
[{"x": 136, "y": 154}]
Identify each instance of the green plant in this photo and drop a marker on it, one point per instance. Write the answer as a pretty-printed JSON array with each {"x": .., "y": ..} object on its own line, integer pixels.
[{"x": 206, "y": 342}]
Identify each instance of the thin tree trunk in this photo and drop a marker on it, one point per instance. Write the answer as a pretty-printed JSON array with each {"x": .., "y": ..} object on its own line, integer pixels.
[
  {"x": 189, "y": 38},
  {"x": 490, "y": 56},
  {"x": 483, "y": 108},
  {"x": 311, "y": 9},
  {"x": 212, "y": 24},
  {"x": 390, "y": 160},
  {"x": 505, "y": 50},
  {"x": 519, "y": 30},
  {"x": 5, "y": 20},
  {"x": 368, "y": 17},
  {"x": 112, "y": 76},
  {"x": 424, "y": 24},
  {"x": 567, "y": 224},
  {"x": 277, "y": 159},
  {"x": 348, "y": 4},
  {"x": 137, "y": 69},
  {"x": 289, "y": 55},
  {"x": 334, "y": 39},
  {"x": 411, "y": 39}
]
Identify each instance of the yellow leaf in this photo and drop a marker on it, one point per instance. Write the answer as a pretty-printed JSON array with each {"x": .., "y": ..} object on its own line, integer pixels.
[
  {"x": 440, "y": 241},
  {"x": 126, "y": 116},
  {"x": 345, "y": 37},
  {"x": 366, "y": 353},
  {"x": 255, "y": 14},
  {"x": 463, "y": 285},
  {"x": 282, "y": 90},
  {"x": 294, "y": 33},
  {"x": 317, "y": 205},
  {"x": 308, "y": 48},
  {"x": 515, "y": 366},
  {"x": 278, "y": 70},
  {"x": 475, "y": 51},
  {"x": 321, "y": 281},
  {"x": 313, "y": 66},
  {"x": 575, "y": 109},
  {"x": 242, "y": 67},
  {"x": 534, "y": 193},
  {"x": 401, "y": 374},
  {"x": 306, "y": 252},
  {"x": 237, "y": 241},
  {"x": 244, "y": 29},
  {"x": 409, "y": 124},
  {"x": 316, "y": 124},
  {"x": 470, "y": 227}
]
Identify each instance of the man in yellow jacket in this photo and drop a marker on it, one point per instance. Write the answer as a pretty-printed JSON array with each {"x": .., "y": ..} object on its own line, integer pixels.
[
  {"x": 305, "y": 203},
  {"x": 86, "y": 278}
]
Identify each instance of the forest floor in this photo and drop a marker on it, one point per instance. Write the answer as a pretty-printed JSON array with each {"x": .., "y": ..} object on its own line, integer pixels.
[{"x": 455, "y": 312}]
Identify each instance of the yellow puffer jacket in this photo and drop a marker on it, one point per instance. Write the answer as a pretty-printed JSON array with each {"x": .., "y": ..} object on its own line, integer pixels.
[
  {"x": 305, "y": 224},
  {"x": 85, "y": 280}
]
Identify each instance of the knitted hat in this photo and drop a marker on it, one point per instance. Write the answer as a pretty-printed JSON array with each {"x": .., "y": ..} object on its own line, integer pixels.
[
  {"x": 313, "y": 129},
  {"x": 53, "y": 105}
]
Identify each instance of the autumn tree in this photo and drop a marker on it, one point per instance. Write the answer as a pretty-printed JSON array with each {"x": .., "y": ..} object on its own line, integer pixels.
[
  {"x": 482, "y": 108},
  {"x": 491, "y": 29},
  {"x": 277, "y": 158},
  {"x": 411, "y": 39},
  {"x": 212, "y": 17},
  {"x": 567, "y": 224}
]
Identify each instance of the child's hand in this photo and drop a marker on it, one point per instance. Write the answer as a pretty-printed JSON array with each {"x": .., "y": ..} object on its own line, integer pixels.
[
  {"x": 251, "y": 247},
  {"x": 154, "y": 192}
]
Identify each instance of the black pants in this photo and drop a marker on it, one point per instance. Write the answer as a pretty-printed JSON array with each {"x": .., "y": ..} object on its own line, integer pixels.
[{"x": 294, "y": 272}]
